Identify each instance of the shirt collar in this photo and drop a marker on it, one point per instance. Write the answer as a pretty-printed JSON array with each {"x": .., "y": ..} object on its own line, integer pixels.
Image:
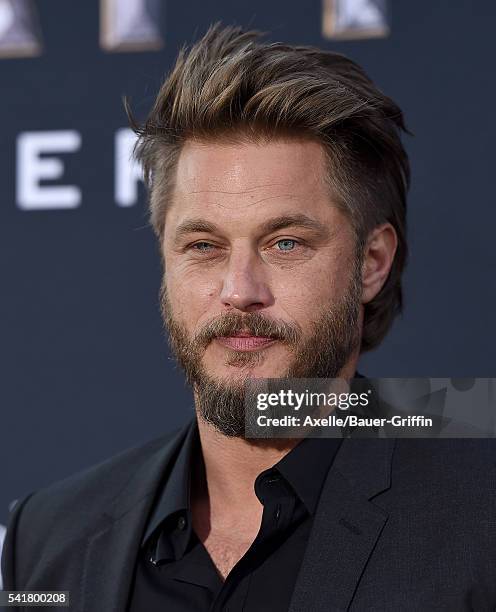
[
  {"x": 174, "y": 496},
  {"x": 306, "y": 466},
  {"x": 311, "y": 456}
]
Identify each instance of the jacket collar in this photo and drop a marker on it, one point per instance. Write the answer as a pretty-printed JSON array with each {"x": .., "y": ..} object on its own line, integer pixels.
[
  {"x": 347, "y": 524},
  {"x": 111, "y": 552}
]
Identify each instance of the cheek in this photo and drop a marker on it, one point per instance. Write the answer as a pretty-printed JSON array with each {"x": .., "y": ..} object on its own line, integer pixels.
[
  {"x": 190, "y": 301},
  {"x": 300, "y": 296}
]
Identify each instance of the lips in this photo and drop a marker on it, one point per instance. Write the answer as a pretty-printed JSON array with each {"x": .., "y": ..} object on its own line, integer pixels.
[{"x": 245, "y": 342}]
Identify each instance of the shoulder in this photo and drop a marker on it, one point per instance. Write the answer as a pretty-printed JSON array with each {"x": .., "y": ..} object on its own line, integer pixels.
[
  {"x": 456, "y": 455},
  {"x": 455, "y": 473},
  {"x": 52, "y": 522},
  {"x": 90, "y": 491}
]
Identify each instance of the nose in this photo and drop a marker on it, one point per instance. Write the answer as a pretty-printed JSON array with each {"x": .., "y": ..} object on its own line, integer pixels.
[{"x": 244, "y": 285}]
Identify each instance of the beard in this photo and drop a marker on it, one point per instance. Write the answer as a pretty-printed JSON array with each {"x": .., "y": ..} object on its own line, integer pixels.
[{"x": 323, "y": 353}]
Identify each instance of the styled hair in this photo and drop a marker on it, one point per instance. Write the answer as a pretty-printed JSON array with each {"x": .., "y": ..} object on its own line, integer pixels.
[{"x": 233, "y": 85}]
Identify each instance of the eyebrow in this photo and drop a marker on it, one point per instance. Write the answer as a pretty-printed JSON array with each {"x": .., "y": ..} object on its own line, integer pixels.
[
  {"x": 191, "y": 226},
  {"x": 195, "y": 225},
  {"x": 299, "y": 220}
]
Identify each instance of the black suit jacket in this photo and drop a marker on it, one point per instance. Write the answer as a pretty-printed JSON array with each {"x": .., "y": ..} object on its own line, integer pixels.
[{"x": 404, "y": 524}]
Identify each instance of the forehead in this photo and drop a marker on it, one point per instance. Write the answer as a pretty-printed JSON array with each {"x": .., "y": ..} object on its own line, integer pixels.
[{"x": 234, "y": 175}]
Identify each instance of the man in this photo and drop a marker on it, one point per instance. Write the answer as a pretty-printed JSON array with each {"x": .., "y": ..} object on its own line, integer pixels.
[{"x": 278, "y": 186}]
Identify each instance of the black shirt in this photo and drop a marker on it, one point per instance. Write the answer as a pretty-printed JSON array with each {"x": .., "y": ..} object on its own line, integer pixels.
[{"x": 174, "y": 571}]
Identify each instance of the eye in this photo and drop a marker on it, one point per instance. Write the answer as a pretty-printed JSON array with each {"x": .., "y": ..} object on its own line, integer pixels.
[
  {"x": 202, "y": 247},
  {"x": 286, "y": 244}
]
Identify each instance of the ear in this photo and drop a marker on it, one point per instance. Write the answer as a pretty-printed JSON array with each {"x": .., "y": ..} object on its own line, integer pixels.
[{"x": 378, "y": 258}]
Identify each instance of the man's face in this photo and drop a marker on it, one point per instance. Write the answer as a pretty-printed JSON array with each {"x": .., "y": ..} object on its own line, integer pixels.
[{"x": 261, "y": 277}]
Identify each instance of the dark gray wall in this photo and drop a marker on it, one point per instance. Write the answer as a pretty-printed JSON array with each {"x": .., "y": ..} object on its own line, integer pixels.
[{"x": 84, "y": 366}]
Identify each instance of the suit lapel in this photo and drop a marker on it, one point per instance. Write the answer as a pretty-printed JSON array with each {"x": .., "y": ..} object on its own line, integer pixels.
[
  {"x": 111, "y": 552},
  {"x": 346, "y": 526}
]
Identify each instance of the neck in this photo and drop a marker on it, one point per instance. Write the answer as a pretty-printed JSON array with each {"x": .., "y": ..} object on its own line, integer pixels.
[{"x": 233, "y": 464}]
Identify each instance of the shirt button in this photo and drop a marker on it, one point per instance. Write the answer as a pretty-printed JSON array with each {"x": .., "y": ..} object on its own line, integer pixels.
[{"x": 181, "y": 523}]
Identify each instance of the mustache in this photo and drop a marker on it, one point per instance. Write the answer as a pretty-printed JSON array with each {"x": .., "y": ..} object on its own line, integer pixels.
[{"x": 255, "y": 324}]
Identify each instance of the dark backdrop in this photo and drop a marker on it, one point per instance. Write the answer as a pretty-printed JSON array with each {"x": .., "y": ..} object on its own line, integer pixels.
[{"x": 85, "y": 370}]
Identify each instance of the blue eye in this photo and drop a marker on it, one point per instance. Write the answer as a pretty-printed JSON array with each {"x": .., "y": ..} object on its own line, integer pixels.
[
  {"x": 202, "y": 246},
  {"x": 286, "y": 244}
]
